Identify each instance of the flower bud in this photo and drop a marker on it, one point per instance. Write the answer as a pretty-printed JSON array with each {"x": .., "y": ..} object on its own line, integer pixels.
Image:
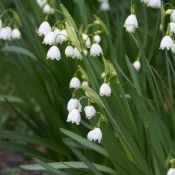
[
  {"x": 137, "y": 65},
  {"x": 75, "y": 83},
  {"x": 95, "y": 50},
  {"x": 47, "y": 9},
  {"x": 166, "y": 43},
  {"x": 44, "y": 28},
  {"x": 74, "y": 116},
  {"x": 62, "y": 36},
  {"x": 85, "y": 84},
  {"x": 49, "y": 38},
  {"x": 16, "y": 34},
  {"x": 131, "y": 23},
  {"x": 94, "y": 135},
  {"x": 73, "y": 104},
  {"x": 69, "y": 51},
  {"x": 173, "y": 49},
  {"x": 104, "y": 6},
  {"x": 105, "y": 90},
  {"x": 97, "y": 38},
  {"x": 89, "y": 111},
  {"x": 54, "y": 53}
]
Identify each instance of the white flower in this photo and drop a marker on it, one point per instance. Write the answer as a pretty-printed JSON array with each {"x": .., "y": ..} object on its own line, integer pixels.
[
  {"x": 69, "y": 51},
  {"x": 166, "y": 42},
  {"x": 74, "y": 116},
  {"x": 95, "y": 50},
  {"x": 16, "y": 34},
  {"x": 104, "y": 6},
  {"x": 137, "y": 65},
  {"x": 131, "y": 23},
  {"x": 75, "y": 83},
  {"x": 105, "y": 90},
  {"x": 154, "y": 3},
  {"x": 94, "y": 135},
  {"x": 5, "y": 33},
  {"x": 77, "y": 54},
  {"x": 89, "y": 111},
  {"x": 173, "y": 16},
  {"x": 54, "y": 53},
  {"x": 87, "y": 40},
  {"x": 47, "y": 9},
  {"x": 49, "y": 38},
  {"x": 73, "y": 104},
  {"x": 41, "y": 2},
  {"x": 97, "y": 38},
  {"x": 57, "y": 31},
  {"x": 85, "y": 84},
  {"x": 62, "y": 36},
  {"x": 171, "y": 171},
  {"x": 172, "y": 27},
  {"x": 44, "y": 28},
  {"x": 1, "y": 24}
]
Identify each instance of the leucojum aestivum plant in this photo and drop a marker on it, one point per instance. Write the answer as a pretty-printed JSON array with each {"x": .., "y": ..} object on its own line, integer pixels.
[
  {"x": 128, "y": 127},
  {"x": 9, "y": 25}
]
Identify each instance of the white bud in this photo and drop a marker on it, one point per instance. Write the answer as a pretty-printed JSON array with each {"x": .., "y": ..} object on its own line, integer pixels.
[
  {"x": 94, "y": 135},
  {"x": 85, "y": 84},
  {"x": 75, "y": 83},
  {"x": 54, "y": 53},
  {"x": 44, "y": 28},
  {"x": 16, "y": 34},
  {"x": 131, "y": 23},
  {"x": 137, "y": 65},
  {"x": 57, "y": 31},
  {"x": 74, "y": 116},
  {"x": 172, "y": 27},
  {"x": 95, "y": 50},
  {"x": 62, "y": 36},
  {"x": 47, "y": 9},
  {"x": 97, "y": 38},
  {"x": 154, "y": 3},
  {"x": 171, "y": 171},
  {"x": 5, "y": 33},
  {"x": 87, "y": 40},
  {"x": 105, "y": 90},
  {"x": 173, "y": 16},
  {"x": 41, "y": 2},
  {"x": 49, "y": 38},
  {"x": 89, "y": 111},
  {"x": 104, "y": 6},
  {"x": 69, "y": 51},
  {"x": 166, "y": 43},
  {"x": 73, "y": 104},
  {"x": 77, "y": 54}
]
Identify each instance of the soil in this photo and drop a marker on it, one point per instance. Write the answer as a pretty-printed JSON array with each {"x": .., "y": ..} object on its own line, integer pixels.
[{"x": 10, "y": 162}]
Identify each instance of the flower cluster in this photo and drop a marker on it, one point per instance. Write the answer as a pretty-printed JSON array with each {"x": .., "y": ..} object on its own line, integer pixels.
[
  {"x": 104, "y": 5},
  {"x": 46, "y": 7},
  {"x": 9, "y": 31},
  {"x": 54, "y": 36},
  {"x": 80, "y": 45}
]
